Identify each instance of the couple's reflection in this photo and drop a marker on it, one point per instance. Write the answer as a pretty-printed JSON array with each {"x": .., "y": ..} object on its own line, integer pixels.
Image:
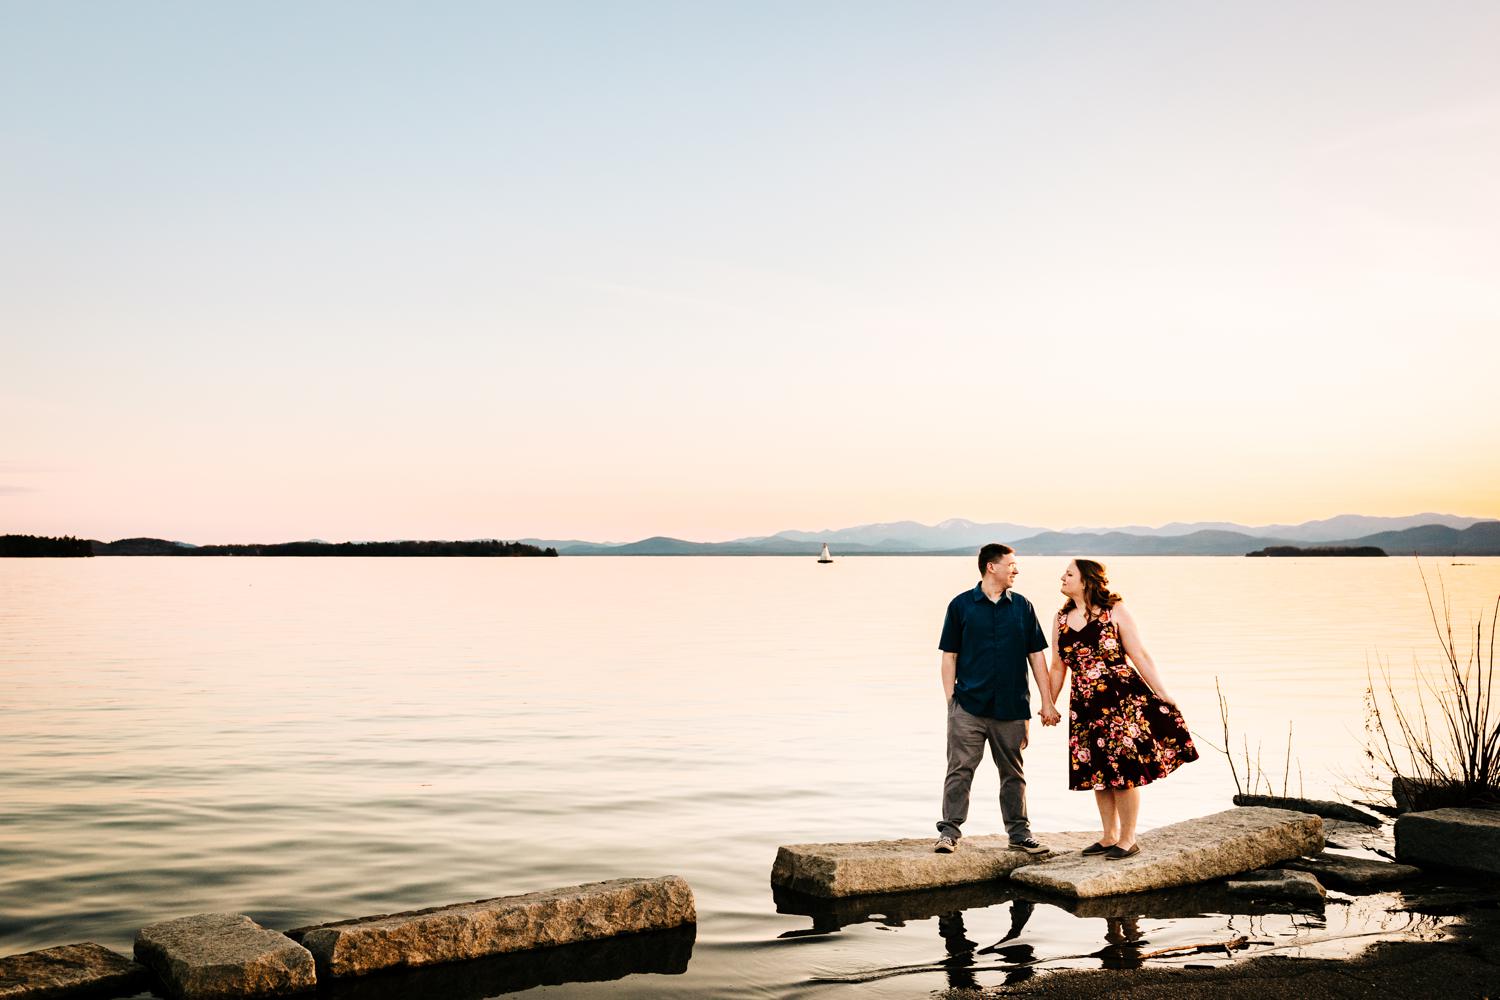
[
  {"x": 1122, "y": 949},
  {"x": 962, "y": 951}
]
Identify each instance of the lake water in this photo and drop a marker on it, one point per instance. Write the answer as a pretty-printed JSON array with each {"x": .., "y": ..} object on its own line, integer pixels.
[{"x": 307, "y": 740}]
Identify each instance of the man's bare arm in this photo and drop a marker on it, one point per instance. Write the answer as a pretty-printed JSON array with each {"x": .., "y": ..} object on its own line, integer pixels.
[{"x": 950, "y": 674}]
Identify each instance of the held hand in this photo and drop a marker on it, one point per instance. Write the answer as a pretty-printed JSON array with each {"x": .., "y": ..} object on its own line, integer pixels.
[{"x": 1050, "y": 716}]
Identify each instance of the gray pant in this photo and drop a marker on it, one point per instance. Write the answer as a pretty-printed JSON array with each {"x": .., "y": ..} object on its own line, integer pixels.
[{"x": 967, "y": 735}]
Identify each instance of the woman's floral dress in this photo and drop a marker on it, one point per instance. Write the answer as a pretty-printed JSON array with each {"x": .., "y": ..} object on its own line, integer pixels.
[{"x": 1120, "y": 734}]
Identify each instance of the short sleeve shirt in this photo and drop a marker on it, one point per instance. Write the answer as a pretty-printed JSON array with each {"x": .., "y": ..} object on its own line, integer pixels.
[{"x": 993, "y": 640}]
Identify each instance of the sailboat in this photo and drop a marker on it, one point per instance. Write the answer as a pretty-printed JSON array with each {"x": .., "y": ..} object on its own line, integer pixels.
[{"x": 824, "y": 557}]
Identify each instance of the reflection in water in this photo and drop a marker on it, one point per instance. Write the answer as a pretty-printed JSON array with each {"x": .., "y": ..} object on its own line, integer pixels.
[
  {"x": 1020, "y": 955},
  {"x": 961, "y": 950},
  {"x": 1181, "y": 902},
  {"x": 1122, "y": 933},
  {"x": 893, "y": 909},
  {"x": 960, "y": 961},
  {"x": 1124, "y": 948},
  {"x": 660, "y": 952}
]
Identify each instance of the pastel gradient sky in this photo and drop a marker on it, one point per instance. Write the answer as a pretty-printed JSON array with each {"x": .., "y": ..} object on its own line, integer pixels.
[{"x": 606, "y": 270}]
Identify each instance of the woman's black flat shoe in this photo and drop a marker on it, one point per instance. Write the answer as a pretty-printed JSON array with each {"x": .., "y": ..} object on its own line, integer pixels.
[
  {"x": 1094, "y": 849},
  {"x": 1117, "y": 853}
]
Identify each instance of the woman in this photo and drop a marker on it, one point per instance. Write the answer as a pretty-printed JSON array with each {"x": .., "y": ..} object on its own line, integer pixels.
[{"x": 1124, "y": 730}]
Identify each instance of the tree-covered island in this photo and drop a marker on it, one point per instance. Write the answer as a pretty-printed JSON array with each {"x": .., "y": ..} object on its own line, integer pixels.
[
  {"x": 1319, "y": 550},
  {"x": 68, "y": 546}
]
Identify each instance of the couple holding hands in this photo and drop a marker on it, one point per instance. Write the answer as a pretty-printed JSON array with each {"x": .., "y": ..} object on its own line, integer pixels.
[{"x": 1124, "y": 730}]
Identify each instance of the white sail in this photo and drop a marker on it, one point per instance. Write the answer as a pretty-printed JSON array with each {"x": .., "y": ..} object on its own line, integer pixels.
[{"x": 824, "y": 556}]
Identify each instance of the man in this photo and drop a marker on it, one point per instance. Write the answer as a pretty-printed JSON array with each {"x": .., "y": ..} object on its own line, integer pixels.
[{"x": 990, "y": 636}]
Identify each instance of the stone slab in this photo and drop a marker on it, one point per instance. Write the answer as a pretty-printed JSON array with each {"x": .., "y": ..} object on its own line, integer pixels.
[
  {"x": 499, "y": 926},
  {"x": 72, "y": 970},
  {"x": 1451, "y": 838},
  {"x": 871, "y": 866},
  {"x": 1278, "y": 883},
  {"x": 1226, "y": 843},
  {"x": 1318, "y": 807},
  {"x": 1352, "y": 873},
  {"x": 211, "y": 956}
]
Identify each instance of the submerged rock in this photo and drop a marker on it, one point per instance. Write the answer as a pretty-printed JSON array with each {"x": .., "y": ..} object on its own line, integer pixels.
[
  {"x": 1451, "y": 838},
  {"x": 1197, "y": 850},
  {"x": 1318, "y": 807},
  {"x": 214, "y": 955},
  {"x": 498, "y": 926},
  {"x": 1356, "y": 836},
  {"x": 1352, "y": 873},
  {"x": 85, "y": 969},
  {"x": 854, "y": 869},
  {"x": 1278, "y": 883}
]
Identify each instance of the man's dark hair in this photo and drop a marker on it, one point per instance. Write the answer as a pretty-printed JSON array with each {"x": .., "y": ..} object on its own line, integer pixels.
[{"x": 992, "y": 553}]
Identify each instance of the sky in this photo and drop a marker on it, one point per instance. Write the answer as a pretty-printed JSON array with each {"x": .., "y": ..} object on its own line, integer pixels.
[{"x": 609, "y": 270}]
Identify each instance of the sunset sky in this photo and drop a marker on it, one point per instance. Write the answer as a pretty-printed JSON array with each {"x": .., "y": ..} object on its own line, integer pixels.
[{"x": 609, "y": 270}]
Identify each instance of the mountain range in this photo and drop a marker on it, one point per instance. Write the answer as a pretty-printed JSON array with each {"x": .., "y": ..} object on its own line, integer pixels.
[{"x": 1416, "y": 534}]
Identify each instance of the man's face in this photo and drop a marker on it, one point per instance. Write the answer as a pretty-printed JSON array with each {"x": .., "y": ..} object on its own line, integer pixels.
[{"x": 1005, "y": 569}]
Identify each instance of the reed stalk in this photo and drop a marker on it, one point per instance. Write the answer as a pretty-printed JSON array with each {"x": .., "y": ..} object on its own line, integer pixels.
[{"x": 1445, "y": 748}]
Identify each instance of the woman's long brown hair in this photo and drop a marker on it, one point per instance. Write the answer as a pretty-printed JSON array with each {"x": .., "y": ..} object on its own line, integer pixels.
[{"x": 1096, "y": 590}]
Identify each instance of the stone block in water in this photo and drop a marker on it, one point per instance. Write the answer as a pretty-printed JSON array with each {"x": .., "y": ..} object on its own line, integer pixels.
[
  {"x": 215, "y": 955},
  {"x": 498, "y": 926},
  {"x": 1451, "y": 838},
  {"x": 854, "y": 869},
  {"x": 85, "y": 969},
  {"x": 1197, "y": 850},
  {"x": 1278, "y": 883}
]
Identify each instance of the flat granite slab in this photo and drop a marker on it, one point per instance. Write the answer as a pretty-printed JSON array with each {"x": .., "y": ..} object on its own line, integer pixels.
[
  {"x": 72, "y": 970},
  {"x": 215, "y": 955},
  {"x": 1209, "y": 847},
  {"x": 854, "y": 869},
  {"x": 498, "y": 926}
]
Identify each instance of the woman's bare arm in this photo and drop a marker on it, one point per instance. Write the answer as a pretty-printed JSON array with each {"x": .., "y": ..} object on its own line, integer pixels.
[
  {"x": 1130, "y": 636},
  {"x": 1056, "y": 673}
]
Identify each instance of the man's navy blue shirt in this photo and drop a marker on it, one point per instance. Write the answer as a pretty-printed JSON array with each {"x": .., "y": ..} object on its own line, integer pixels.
[{"x": 993, "y": 640}]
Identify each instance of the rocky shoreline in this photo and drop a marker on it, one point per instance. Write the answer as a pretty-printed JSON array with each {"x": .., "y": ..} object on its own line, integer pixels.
[{"x": 1270, "y": 857}]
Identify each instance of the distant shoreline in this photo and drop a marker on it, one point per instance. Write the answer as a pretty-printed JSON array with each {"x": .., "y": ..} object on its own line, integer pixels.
[{"x": 68, "y": 547}]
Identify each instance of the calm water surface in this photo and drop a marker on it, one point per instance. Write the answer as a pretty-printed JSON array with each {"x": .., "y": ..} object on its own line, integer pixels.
[{"x": 306, "y": 740}]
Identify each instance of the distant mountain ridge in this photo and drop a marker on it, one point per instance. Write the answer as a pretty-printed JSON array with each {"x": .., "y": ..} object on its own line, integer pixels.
[
  {"x": 1443, "y": 534},
  {"x": 1326, "y": 530}
]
